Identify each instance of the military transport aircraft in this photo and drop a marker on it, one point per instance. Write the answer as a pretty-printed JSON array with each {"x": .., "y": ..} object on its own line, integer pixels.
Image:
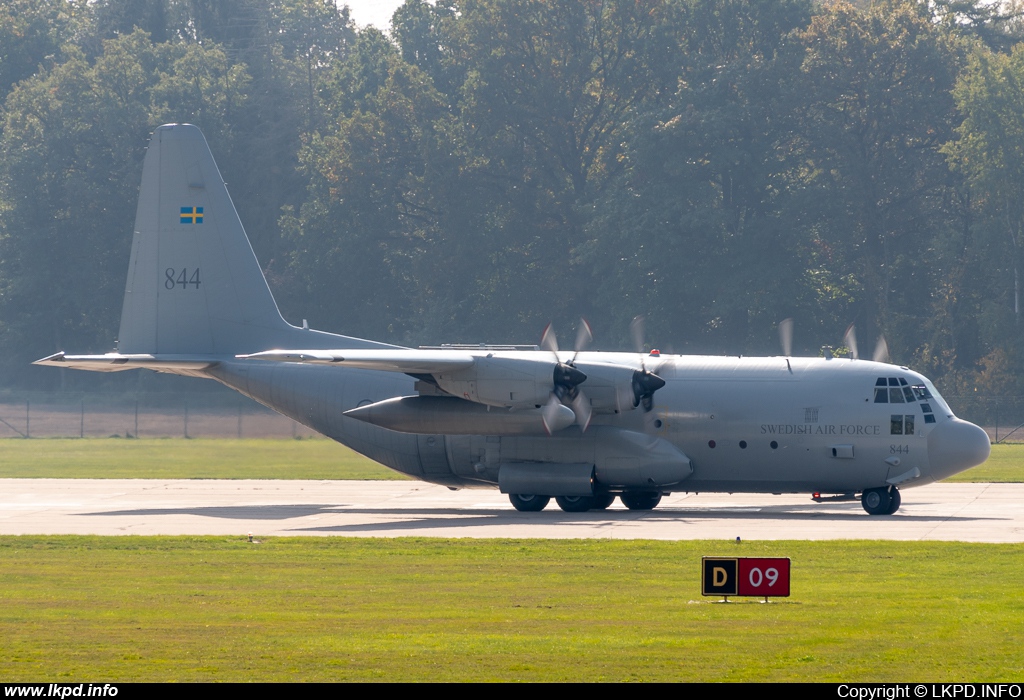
[{"x": 582, "y": 427}]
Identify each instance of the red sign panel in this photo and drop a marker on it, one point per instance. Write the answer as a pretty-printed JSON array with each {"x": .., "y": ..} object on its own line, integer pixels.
[{"x": 763, "y": 577}]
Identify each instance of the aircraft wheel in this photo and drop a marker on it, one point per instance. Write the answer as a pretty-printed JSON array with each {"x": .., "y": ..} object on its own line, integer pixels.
[
  {"x": 641, "y": 500},
  {"x": 528, "y": 503},
  {"x": 575, "y": 504},
  {"x": 894, "y": 500},
  {"x": 602, "y": 502},
  {"x": 876, "y": 501}
]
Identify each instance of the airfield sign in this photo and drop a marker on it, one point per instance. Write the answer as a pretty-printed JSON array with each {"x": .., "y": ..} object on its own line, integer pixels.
[{"x": 745, "y": 576}]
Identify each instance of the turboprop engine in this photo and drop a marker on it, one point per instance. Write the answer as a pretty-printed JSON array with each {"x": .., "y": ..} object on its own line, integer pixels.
[
  {"x": 529, "y": 382},
  {"x": 515, "y": 382},
  {"x": 510, "y": 382}
]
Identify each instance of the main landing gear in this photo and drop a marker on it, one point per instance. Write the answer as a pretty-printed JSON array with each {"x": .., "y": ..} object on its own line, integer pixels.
[
  {"x": 634, "y": 500},
  {"x": 528, "y": 503},
  {"x": 881, "y": 501}
]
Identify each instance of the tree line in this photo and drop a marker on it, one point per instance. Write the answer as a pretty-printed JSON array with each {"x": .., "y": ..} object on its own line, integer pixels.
[{"x": 488, "y": 166}]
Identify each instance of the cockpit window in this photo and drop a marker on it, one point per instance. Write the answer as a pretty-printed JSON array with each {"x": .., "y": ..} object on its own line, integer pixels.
[{"x": 898, "y": 390}]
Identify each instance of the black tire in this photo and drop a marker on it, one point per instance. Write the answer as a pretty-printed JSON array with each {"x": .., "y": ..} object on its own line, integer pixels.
[
  {"x": 575, "y": 504},
  {"x": 894, "y": 500},
  {"x": 602, "y": 502},
  {"x": 641, "y": 500},
  {"x": 876, "y": 501},
  {"x": 528, "y": 503}
]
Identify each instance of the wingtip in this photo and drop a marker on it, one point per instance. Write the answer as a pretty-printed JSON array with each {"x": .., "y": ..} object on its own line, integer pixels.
[{"x": 50, "y": 359}]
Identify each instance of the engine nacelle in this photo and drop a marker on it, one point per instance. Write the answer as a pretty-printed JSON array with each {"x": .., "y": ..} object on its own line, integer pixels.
[
  {"x": 609, "y": 388},
  {"x": 507, "y": 382}
]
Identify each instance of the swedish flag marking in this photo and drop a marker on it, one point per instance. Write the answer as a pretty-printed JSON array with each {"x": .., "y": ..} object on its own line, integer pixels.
[{"x": 191, "y": 215}]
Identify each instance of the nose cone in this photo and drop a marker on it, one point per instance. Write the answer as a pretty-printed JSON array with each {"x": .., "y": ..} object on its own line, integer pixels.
[{"x": 955, "y": 446}]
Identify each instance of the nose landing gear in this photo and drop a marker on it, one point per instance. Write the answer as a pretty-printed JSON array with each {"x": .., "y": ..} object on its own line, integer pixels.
[{"x": 881, "y": 501}]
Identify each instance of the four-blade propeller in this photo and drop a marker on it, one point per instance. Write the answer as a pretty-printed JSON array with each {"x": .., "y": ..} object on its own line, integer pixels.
[
  {"x": 566, "y": 381},
  {"x": 645, "y": 382},
  {"x": 567, "y": 378},
  {"x": 881, "y": 353}
]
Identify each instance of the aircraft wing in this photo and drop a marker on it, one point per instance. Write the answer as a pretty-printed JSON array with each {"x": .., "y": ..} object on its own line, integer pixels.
[
  {"x": 516, "y": 380},
  {"x": 406, "y": 361}
]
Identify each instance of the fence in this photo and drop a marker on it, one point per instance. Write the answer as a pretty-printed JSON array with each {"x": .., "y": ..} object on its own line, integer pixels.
[
  {"x": 144, "y": 415},
  {"x": 1002, "y": 417}
]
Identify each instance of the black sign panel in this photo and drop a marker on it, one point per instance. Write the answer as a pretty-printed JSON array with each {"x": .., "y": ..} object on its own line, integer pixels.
[{"x": 719, "y": 576}]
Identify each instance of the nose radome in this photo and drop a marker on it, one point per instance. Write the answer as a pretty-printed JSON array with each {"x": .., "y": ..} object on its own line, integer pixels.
[{"x": 955, "y": 446}]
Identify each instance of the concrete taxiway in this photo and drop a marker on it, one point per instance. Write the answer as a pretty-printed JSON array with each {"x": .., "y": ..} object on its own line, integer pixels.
[{"x": 963, "y": 512}]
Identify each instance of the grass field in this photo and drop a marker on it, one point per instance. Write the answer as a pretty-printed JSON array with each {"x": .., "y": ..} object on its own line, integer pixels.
[
  {"x": 1006, "y": 465},
  {"x": 177, "y": 458},
  {"x": 211, "y": 458},
  {"x": 191, "y": 609}
]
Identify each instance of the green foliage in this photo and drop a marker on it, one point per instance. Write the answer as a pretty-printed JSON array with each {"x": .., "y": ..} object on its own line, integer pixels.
[
  {"x": 65, "y": 237},
  {"x": 495, "y": 164},
  {"x": 33, "y": 33}
]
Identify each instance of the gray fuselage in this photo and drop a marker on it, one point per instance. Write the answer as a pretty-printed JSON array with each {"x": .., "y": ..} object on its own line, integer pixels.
[{"x": 747, "y": 424}]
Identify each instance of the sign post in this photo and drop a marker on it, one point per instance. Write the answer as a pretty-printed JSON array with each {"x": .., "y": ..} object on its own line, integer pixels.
[{"x": 745, "y": 576}]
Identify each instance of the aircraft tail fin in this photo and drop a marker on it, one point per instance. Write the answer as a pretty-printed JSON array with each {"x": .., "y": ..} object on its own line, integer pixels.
[{"x": 194, "y": 285}]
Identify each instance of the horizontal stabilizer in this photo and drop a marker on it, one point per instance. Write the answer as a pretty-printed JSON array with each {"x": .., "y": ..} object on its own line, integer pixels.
[{"x": 116, "y": 362}]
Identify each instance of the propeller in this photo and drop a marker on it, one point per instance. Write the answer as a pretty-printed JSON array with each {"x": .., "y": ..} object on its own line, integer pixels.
[
  {"x": 881, "y": 350},
  {"x": 786, "y": 336},
  {"x": 881, "y": 347},
  {"x": 580, "y": 404},
  {"x": 565, "y": 382},
  {"x": 645, "y": 383},
  {"x": 850, "y": 341}
]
